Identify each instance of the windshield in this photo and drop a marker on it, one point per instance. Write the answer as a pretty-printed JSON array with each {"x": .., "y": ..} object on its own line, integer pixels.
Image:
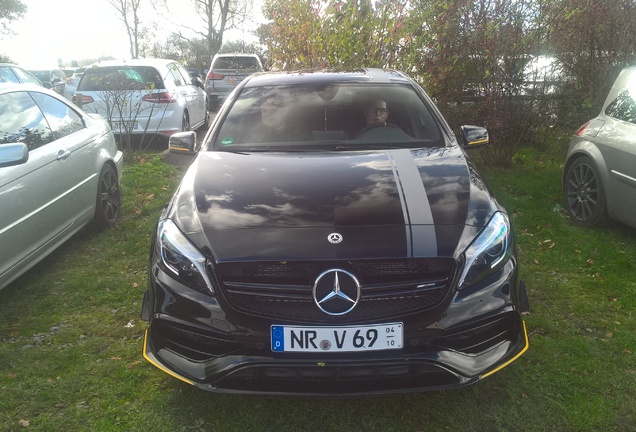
[
  {"x": 241, "y": 63},
  {"x": 338, "y": 116}
]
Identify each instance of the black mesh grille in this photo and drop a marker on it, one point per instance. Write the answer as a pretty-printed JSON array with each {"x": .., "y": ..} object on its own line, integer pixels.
[
  {"x": 341, "y": 380},
  {"x": 283, "y": 290}
]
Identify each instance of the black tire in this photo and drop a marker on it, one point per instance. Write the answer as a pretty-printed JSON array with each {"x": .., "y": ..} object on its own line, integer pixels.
[
  {"x": 185, "y": 122},
  {"x": 584, "y": 193},
  {"x": 108, "y": 202}
]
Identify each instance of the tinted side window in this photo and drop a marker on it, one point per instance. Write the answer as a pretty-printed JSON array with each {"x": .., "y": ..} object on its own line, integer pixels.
[
  {"x": 623, "y": 107},
  {"x": 22, "y": 121},
  {"x": 7, "y": 75},
  {"x": 62, "y": 119}
]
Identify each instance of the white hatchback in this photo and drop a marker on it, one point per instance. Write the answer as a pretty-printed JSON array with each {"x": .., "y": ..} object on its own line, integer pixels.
[{"x": 143, "y": 96}]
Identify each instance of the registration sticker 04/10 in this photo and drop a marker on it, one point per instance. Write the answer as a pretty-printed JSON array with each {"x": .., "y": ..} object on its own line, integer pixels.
[{"x": 337, "y": 339}]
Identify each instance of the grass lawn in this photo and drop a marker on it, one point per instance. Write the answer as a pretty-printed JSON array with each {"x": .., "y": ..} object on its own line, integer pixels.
[{"x": 71, "y": 337}]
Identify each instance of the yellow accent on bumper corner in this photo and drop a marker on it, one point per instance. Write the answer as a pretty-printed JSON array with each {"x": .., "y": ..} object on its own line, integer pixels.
[
  {"x": 157, "y": 365},
  {"x": 525, "y": 348}
]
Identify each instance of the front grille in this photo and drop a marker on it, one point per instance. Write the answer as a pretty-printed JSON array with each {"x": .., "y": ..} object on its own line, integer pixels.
[
  {"x": 341, "y": 380},
  {"x": 283, "y": 290}
]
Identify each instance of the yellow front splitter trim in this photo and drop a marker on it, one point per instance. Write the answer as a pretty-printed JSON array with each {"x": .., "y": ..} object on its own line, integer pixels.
[
  {"x": 525, "y": 348},
  {"x": 161, "y": 367}
]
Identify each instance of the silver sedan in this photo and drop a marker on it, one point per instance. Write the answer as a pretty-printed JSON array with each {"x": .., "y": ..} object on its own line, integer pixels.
[{"x": 59, "y": 171}]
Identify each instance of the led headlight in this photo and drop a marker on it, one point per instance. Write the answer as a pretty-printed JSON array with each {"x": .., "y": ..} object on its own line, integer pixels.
[
  {"x": 491, "y": 248},
  {"x": 183, "y": 261}
]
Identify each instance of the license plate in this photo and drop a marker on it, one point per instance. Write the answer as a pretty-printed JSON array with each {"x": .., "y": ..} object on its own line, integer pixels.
[
  {"x": 337, "y": 339},
  {"x": 123, "y": 126}
]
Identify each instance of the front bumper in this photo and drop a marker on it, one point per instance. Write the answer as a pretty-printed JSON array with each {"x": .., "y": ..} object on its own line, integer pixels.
[
  {"x": 432, "y": 370},
  {"x": 479, "y": 332}
]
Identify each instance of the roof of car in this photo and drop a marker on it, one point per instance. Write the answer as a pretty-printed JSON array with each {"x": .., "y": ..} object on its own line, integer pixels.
[
  {"x": 326, "y": 77},
  {"x": 236, "y": 55},
  {"x": 6, "y": 87},
  {"x": 155, "y": 62}
]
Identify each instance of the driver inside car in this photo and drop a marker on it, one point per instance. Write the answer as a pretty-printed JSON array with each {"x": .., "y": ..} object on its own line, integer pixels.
[{"x": 376, "y": 112}]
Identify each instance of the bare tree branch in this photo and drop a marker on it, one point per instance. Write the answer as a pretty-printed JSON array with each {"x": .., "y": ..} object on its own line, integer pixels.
[
  {"x": 217, "y": 16},
  {"x": 128, "y": 11}
]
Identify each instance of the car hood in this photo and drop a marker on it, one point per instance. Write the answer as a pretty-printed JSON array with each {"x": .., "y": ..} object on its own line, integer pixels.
[{"x": 385, "y": 203}]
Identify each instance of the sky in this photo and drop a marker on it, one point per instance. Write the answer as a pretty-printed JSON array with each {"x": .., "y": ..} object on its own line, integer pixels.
[{"x": 72, "y": 30}]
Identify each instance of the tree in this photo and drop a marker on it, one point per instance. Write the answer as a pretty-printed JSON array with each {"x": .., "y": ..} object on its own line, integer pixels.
[
  {"x": 128, "y": 11},
  {"x": 217, "y": 16},
  {"x": 336, "y": 33},
  {"x": 595, "y": 39},
  {"x": 10, "y": 10},
  {"x": 189, "y": 52},
  {"x": 471, "y": 55},
  {"x": 294, "y": 36}
]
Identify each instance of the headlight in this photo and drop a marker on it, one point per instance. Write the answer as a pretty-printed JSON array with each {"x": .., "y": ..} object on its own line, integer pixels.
[
  {"x": 181, "y": 259},
  {"x": 490, "y": 249}
]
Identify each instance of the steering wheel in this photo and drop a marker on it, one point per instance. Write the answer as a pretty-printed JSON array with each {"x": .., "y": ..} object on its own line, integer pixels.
[{"x": 377, "y": 125}]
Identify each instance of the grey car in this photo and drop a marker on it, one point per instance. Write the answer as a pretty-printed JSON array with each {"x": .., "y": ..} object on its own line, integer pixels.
[
  {"x": 226, "y": 72},
  {"x": 599, "y": 176},
  {"x": 53, "y": 78},
  {"x": 59, "y": 171}
]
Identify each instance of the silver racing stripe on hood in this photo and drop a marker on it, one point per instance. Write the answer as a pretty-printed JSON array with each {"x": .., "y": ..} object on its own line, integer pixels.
[{"x": 420, "y": 229}]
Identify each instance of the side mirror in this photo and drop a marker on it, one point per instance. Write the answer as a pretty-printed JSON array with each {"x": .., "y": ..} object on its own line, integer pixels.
[
  {"x": 13, "y": 154},
  {"x": 183, "y": 142},
  {"x": 474, "y": 136}
]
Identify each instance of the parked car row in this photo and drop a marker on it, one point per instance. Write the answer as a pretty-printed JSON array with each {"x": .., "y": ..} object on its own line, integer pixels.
[{"x": 145, "y": 96}]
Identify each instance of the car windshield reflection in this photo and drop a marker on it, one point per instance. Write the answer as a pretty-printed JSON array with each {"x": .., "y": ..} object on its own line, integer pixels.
[{"x": 342, "y": 116}]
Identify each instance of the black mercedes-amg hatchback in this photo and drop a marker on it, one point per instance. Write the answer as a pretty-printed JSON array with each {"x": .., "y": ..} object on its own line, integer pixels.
[{"x": 331, "y": 237}]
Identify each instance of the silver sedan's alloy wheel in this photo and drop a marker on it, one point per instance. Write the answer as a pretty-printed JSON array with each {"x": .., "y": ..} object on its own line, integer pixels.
[
  {"x": 108, "y": 204},
  {"x": 584, "y": 194}
]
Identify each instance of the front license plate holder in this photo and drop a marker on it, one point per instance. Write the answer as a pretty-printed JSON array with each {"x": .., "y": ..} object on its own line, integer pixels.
[{"x": 374, "y": 337}]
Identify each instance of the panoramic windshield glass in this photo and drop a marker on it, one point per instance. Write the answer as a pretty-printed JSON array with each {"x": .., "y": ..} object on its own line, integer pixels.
[{"x": 338, "y": 116}]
